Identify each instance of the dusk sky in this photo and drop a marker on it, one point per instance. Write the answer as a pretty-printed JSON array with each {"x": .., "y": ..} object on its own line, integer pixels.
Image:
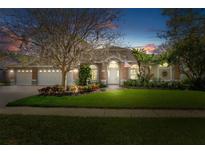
[{"x": 140, "y": 26}]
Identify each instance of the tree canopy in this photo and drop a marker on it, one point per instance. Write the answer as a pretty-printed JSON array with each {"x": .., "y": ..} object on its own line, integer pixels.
[
  {"x": 186, "y": 37},
  {"x": 60, "y": 36}
]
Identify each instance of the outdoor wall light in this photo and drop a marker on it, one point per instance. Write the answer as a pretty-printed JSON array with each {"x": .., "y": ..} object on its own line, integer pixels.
[
  {"x": 40, "y": 70},
  {"x": 53, "y": 70},
  {"x": 22, "y": 71},
  {"x": 44, "y": 71},
  {"x": 75, "y": 70},
  {"x": 49, "y": 70},
  {"x": 11, "y": 71}
]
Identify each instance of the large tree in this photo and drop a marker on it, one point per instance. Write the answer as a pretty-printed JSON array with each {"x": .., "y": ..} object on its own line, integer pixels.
[
  {"x": 185, "y": 35},
  {"x": 60, "y": 37}
]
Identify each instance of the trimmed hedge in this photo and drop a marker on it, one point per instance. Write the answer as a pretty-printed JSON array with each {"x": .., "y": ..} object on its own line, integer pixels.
[{"x": 156, "y": 84}]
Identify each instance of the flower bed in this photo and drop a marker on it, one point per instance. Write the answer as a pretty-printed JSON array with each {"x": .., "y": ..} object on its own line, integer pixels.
[{"x": 70, "y": 90}]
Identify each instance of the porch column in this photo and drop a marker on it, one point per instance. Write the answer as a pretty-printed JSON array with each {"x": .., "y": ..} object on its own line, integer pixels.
[
  {"x": 103, "y": 73},
  {"x": 123, "y": 73}
]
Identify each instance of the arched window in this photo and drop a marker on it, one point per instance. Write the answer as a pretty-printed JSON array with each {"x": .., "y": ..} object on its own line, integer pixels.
[
  {"x": 134, "y": 70},
  {"x": 94, "y": 73},
  {"x": 164, "y": 65},
  {"x": 113, "y": 64}
]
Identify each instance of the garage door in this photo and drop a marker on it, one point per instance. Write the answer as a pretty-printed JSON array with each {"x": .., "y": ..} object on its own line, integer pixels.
[
  {"x": 24, "y": 77},
  {"x": 49, "y": 77},
  {"x": 70, "y": 78}
]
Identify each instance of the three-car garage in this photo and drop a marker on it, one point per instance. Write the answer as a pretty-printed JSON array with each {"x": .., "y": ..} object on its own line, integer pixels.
[{"x": 45, "y": 76}]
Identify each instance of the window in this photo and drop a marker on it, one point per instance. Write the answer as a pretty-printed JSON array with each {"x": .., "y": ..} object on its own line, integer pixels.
[
  {"x": 94, "y": 72},
  {"x": 113, "y": 64},
  {"x": 134, "y": 70},
  {"x": 164, "y": 65}
]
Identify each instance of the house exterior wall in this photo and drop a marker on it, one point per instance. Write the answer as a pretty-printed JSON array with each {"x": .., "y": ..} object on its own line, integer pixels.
[
  {"x": 103, "y": 73},
  {"x": 2, "y": 75},
  {"x": 124, "y": 73},
  {"x": 35, "y": 76},
  {"x": 102, "y": 69}
]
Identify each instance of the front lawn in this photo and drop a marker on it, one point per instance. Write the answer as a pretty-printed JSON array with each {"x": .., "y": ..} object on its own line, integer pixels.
[
  {"x": 17, "y": 129},
  {"x": 125, "y": 98}
]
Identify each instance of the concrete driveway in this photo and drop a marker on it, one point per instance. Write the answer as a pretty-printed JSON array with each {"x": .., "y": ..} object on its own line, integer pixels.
[{"x": 11, "y": 93}]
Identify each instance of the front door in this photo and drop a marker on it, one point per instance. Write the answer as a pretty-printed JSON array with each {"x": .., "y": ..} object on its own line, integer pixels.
[{"x": 113, "y": 73}]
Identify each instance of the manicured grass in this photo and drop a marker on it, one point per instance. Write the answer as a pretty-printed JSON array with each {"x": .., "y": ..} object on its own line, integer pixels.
[
  {"x": 125, "y": 98},
  {"x": 17, "y": 129}
]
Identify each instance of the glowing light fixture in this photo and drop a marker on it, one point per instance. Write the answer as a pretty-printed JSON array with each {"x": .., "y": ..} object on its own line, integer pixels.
[
  {"x": 75, "y": 70},
  {"x": 11, "y": 71}
]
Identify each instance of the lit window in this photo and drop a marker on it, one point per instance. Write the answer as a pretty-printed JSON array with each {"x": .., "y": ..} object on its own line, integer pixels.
[
  {"x": 94, "y": 72},
  {"x": 164, "y": 65},
  {"x": 134, "y": 70},
  {"x": 113, "y": 64}
]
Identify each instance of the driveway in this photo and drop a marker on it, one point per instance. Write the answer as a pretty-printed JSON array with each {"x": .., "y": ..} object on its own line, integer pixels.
[{"x": 11, "y": 93}]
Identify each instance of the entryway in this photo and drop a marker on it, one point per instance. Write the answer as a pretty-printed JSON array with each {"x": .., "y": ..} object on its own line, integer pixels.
[{"x": 113, "y": 73}]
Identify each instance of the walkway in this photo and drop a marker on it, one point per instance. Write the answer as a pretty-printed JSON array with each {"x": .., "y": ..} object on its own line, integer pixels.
[{"x": 89, "y": 112}]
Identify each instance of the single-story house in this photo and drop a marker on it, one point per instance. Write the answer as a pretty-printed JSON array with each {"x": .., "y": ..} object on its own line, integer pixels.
[{"x": 116, "y": 67}]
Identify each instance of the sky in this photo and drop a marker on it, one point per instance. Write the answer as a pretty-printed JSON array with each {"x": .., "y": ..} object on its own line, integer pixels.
[{"x": 140, "y": 26}]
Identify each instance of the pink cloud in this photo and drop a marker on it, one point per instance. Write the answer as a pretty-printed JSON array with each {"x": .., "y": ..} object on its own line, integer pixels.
[
  {"x": 8, "y": 42},
  {"x": 108, "y": 24},
  {"x": 150, "y": 48}
]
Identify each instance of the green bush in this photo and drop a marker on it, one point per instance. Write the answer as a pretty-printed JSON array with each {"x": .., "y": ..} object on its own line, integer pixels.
[
  {"x": 102, "y": 85},
  {"x": 84, "y": 75},
  {"x": 156, "y": 84}
]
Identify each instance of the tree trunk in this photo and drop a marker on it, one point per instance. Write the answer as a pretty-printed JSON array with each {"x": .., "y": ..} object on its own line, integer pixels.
[{"x": 63, "y": 81}]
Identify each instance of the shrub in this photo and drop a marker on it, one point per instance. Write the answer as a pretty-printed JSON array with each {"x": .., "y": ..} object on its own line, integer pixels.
[
  {"x": 102, "y": 85},
  {"x": 84, "y": 75},
  {"x": 52, "y": 91},
  {"x": 156, "y": 84},
  {"x": 74, "y": 89}
]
